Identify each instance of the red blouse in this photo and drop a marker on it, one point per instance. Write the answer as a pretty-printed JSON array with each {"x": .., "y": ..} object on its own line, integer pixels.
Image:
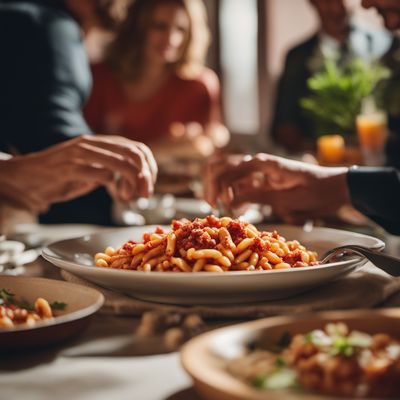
[{"x": 110, "y": 111}]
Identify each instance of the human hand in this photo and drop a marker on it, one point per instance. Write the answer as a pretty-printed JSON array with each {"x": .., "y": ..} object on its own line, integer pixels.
[
  {"x": 76, "y": 167},
  {"x": 296, "y": 191},
  {"x": 132, "y": 162}
]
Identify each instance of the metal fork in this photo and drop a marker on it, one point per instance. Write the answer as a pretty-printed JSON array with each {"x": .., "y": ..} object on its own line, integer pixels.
[{"x": 387, "y": 263}]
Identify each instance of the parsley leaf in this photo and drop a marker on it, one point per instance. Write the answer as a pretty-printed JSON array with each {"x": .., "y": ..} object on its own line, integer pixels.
[
  {"x": 280, "y": 362},
  {"x": 6, "y": 296},
  {"x": 342, "y": 346},
  {"x": 58, "y": 305},
  {"x": 260, "y": 381},
  {"x": 24, "y": 304}
]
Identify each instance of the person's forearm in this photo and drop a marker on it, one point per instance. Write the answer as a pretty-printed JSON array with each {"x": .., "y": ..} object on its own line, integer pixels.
[
  {"x": 376, "y": 193},
  {"x": 11, "y": 193}
]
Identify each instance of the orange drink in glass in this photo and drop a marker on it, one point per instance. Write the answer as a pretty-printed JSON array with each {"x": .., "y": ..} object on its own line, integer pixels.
[
  {"x": 331, "y": 149},
  {"x": 372, "y": 134}
]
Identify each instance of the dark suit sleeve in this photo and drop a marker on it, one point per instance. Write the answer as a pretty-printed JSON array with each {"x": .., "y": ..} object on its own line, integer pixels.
[
  {"x": 292, "y": 86},
  {"x": 376, "y": 193},
  {"x": 44, "y": 79}
]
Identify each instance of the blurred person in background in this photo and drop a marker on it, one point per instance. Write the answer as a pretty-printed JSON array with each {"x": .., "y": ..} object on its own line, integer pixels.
[
  {"x": 44, "y": 80},
  {"x": 297, "y": 191},
  {"x": 153, "y": 85},
  {"x": 341, "y": 37}
]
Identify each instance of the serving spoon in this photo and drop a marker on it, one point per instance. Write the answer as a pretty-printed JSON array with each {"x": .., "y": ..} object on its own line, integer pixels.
[{"x": 387, "y": 263}]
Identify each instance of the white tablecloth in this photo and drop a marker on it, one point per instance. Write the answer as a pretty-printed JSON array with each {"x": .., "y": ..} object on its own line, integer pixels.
[{"x": 107, "y": 362}]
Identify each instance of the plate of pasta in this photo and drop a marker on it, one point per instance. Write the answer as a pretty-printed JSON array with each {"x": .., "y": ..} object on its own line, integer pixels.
[
  {"x": 335, "y": 354},
  {"x": 38, "y": 312},
  {"x": 207, "y": 260}
]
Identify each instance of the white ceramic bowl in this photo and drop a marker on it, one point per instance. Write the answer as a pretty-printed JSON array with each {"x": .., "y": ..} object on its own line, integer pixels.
[{"x": 76, "y": 256}]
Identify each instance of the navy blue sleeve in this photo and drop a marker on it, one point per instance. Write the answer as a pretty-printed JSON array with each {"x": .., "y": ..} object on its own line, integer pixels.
[
  {"x": 44, "y": 79},
  {"x": 376, "y": 193},
  {"x": 292, "y": 87}
]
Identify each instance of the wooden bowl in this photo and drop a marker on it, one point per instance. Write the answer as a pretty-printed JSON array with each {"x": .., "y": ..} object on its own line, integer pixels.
[
  {"x": 205, "y": 357},
  {"x": 81, "y": 303}
]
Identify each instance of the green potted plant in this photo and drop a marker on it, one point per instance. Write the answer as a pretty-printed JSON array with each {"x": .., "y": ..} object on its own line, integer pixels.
[{"x": 337, "y": 93}]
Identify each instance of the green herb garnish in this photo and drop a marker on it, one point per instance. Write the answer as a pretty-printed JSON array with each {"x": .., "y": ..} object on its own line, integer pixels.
[
  {"x": 342, "y": 346},
  {"x": 58, "y": 305},
  {"x": 9, "y": 298},
  {"x": 280, "y": 362},
  {"x": 6, "y": 296},
  {"x": 24, "y": 304},
  {"x": 259, "y": 381}
]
